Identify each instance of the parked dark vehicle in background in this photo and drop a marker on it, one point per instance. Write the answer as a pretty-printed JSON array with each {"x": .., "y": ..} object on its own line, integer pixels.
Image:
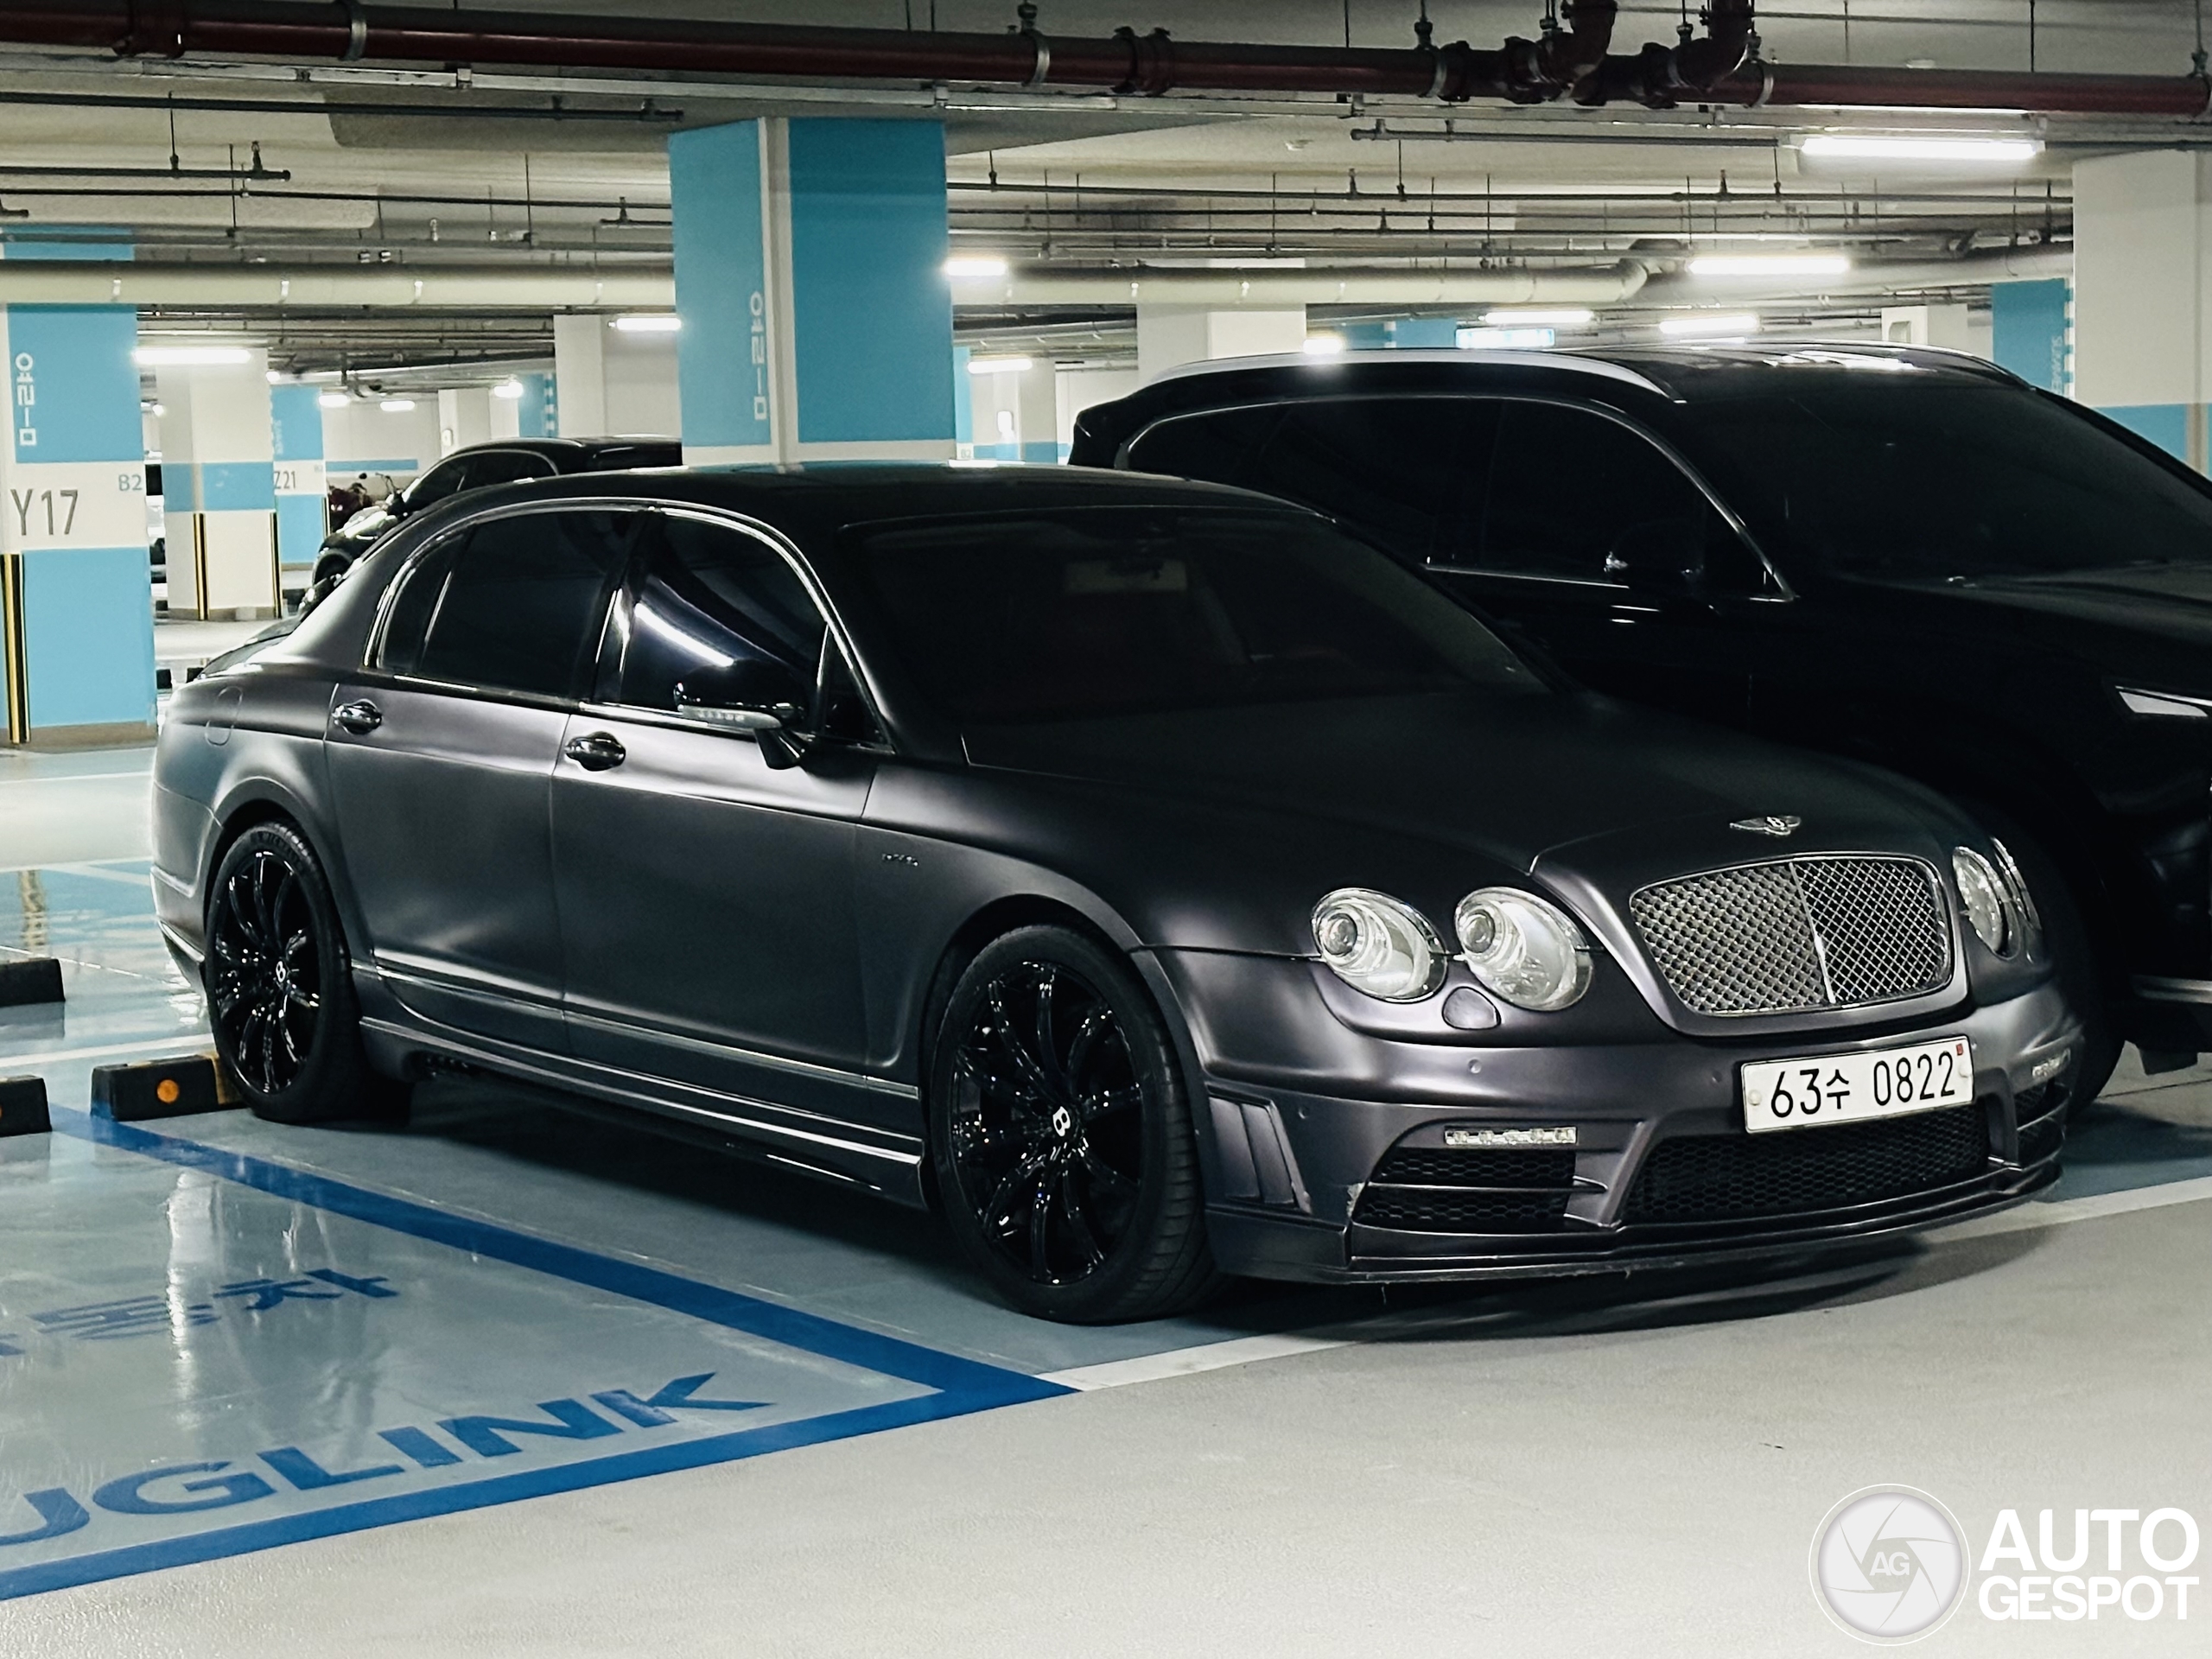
[
  {"x": 1904, "y": 555},
  {"x": 1152, "y": 877},
  {"x": 506, "y": 461}
]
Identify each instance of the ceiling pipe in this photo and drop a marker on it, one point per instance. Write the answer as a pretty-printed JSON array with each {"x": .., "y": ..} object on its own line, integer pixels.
[
  {"x": 1266, "y": 289},
  {"x": 1721, "y": 66}
]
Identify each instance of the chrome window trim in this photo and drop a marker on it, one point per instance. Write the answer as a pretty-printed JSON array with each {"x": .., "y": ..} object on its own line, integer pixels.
[
  {"x": 1729, "y": 516},
  {"x": 2164, "y": 705}
]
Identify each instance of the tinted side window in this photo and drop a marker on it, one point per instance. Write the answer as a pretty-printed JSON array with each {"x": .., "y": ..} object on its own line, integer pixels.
[
  {"x": 506, "y": 467},
  {"x": 720, "y": 617},
  {"x": 408, "y": 621},
  {"x": 1566, "y": 485},
  {"x": 1401, "y": 471},
  {"x": 524, "y": 601},
  {"x": 1214, "y": 447}
]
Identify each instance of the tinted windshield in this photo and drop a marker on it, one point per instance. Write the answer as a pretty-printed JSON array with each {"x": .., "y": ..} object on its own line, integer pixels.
[
  {"x": 1900, "y": 477},
  {"x": 1110, "y": 610}
]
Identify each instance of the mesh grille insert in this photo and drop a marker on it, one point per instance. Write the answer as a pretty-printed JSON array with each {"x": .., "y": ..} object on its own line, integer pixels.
[
  {"x": 1740, "y": 1177},
  {"x": 1417, "y": 1212},
  {"x": 1796, "y": 934},
  {"x": 1477, "y": 1166}
]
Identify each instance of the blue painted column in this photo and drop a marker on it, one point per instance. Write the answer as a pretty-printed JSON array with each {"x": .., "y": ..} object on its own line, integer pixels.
[
  {"x": 303, "y": 486},
  {"x": 537, "y": 410},
  {"x": 810, "y": 277},
  {"x": 2032, "y": 331},
  {"x": 76, "y": 599}
]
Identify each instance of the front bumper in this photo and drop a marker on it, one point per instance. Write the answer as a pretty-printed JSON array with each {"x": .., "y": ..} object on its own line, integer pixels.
[{"x": 1312, "y": 1181}]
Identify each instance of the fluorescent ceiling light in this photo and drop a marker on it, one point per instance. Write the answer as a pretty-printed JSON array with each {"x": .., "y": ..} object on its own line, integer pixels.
[
  {"x": 1768, "y": 265},
  {"x": 1505, "y": 339},
  {"x": 156, "y": 356},
  {"x": 333, "y": 400},
  {"x": 1324, "y": 345},
  {"x": 396, "y": 405},
  {"x": 1898, "y": 147},
  {"x": 1568, "y": 319},
  {"x": 975, "y": 265},
  {"x": 510, "y": 390},
  {"x": 658, "y": 322},
  {"x": 1703, "y": 326},
  {"x": 1000, "y": 364}
]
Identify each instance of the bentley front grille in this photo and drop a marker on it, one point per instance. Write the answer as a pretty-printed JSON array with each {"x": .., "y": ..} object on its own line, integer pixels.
[{"x": 1798, "y": 934}]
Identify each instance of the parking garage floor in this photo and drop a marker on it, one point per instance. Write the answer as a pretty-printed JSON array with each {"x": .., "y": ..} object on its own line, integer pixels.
[{"x": 511, "y": 1380}]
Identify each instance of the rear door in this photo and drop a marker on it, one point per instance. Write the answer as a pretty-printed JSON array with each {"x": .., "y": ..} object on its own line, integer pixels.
[{"x": 441, "y": 754}]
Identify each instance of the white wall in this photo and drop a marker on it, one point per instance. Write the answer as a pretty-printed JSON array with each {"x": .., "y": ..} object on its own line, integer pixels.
[
  {"x": 361, "y": 434},
  {"x": 464, "y": 417},
  {"x": 612, "y": 382},
  {"x": 2141, "y": 223},
  {"x": 1169, "y": 336}
]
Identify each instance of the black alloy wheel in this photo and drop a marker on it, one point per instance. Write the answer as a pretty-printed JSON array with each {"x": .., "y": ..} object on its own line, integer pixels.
[
  {"x": 280, "y": 994},
  {"x": 1061, "y": 1134}
]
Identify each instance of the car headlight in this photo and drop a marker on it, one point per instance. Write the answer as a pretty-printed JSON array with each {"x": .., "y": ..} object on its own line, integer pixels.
[
  {"x": 2016, "y": 883},
  {"x": 1526, "y": 948},
  {"x": 1982, "y": 890},
  {"x": 1376, "y": 944}
]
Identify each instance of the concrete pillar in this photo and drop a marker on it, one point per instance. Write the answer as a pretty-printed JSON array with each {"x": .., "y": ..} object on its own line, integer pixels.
[
  {"x": 219, "y": 485},
  {"x": 1169, "y": 336},
  {"x": 2032, "y": 331},
  {"x": 1926, "y": 325},
  {"x": 76, "y": 599},
  {"x": 503, "y": 415},
  {"x": 810, "y": 277},
  {"x": 2143, "y": 285},
  {"x": 302, "y": 488},
  {"x": 464, "y": 417},
  {"x": 580, "y": 364},
  {"x": 538, "y": 407}
]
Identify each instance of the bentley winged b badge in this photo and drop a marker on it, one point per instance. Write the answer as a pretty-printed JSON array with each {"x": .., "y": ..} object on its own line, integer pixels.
[{"x": 1777, "y": 824}]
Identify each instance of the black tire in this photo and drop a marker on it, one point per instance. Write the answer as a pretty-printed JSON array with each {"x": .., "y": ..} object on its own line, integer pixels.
[
  {"x": 2085, "y": 973},
  {"x": 280, "y": 986},
  {"x": 1060, "y": 1134},
  {"x": 331, "y": 566}
]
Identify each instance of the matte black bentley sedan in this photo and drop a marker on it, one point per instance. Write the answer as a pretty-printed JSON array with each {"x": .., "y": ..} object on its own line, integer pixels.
[
  {"x": 1904, "y": 555},
  {"x": 1152, "y": 877}
]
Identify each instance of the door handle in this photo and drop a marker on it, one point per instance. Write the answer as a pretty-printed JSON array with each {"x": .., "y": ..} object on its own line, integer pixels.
[
  {"x": 359, "y": 716},
  {"x": 595, "y": 751}
]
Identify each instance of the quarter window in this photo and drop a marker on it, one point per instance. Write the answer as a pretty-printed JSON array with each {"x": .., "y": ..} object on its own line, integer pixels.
[
  {"x": 718, "y": 620},
  {"x": 506, "y": 467},
  {"x": 512, "y": 605}
]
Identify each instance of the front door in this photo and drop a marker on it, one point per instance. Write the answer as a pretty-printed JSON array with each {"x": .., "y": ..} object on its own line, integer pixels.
[
  {"x": 706, "y": 894},
  {"x": 441, "y": 756}
]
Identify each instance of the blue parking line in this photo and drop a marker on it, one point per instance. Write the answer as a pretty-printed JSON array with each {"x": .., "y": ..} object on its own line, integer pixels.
[
  {"x": 958, "y": 1386},
  {"x": 887, "y": 1355}
]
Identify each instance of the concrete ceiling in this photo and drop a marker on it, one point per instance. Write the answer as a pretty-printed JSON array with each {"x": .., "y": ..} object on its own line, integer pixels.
[{"x": 413, "y": 168}]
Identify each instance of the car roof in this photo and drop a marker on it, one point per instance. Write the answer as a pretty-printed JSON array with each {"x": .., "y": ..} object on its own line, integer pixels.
[{"x": 1670, "y": 370}]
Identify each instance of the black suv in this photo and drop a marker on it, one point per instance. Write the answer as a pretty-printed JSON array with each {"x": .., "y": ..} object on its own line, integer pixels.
[
  {"x": 1904, "y": 555},
  {"x": 504, "y": 460}
]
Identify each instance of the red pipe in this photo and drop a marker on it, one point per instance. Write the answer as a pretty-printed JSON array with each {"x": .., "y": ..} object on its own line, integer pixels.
[{"x": 1712, "y": 69}]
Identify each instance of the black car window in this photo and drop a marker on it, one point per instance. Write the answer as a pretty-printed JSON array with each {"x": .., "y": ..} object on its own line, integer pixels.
[
  {"x": 1567, "y": 487},
  {"x": 447, "y": 478},
  {"x": 1898, "y": 475},
  {"x": 1401, "y": 471},
  {"x": 1107, "y": 610},
  {"x": 522, "y": 601},
  {"x": 506, "y": 467},
  {"x": 411, "y": 605},
  {"x": 1215, "y": 446},
  {"x": 717, "y": 620}
]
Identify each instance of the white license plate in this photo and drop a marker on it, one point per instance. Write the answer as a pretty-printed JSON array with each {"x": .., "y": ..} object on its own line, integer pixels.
[{"x": 1853, "y": 1088}]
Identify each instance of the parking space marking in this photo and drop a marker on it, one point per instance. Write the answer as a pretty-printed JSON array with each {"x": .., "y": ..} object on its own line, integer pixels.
[
  {"x": 2127, "y": 1200},
  {"x": 131, "y": 1481}
]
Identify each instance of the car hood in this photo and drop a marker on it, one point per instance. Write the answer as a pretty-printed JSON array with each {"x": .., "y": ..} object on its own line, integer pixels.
[{"x": 1425, "y": 797}]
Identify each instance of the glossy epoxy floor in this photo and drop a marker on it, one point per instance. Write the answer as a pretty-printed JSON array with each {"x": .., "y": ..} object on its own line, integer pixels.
[{"x": 509, "y": 1381}]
